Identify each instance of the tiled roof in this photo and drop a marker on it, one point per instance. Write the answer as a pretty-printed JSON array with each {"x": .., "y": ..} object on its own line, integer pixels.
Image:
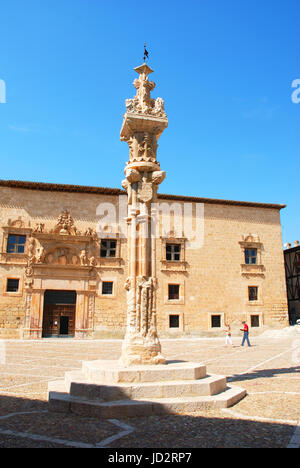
[{"x": 115, "y": 191}]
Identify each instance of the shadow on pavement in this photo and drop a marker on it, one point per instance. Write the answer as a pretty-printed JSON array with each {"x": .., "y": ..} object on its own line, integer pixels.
[{"x": 30, "y": 425}]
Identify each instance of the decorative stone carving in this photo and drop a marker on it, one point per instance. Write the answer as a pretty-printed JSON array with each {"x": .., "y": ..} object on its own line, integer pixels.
[
  {"x": 145, "y": 191},
  {"x": 40, "y": 255},
  {"x": 39, "y": 227},
  {"x": 65, "y": 224},
  {"x": 132, "y": 175},
  {"x": 83, "y": 257},
  {"x": 91, "y": 311},
  {"x": 141, "y": 344},
  {"x": 30, "y": 246},
  {"x": 61, "y": 256},
  {"x": 90, "y": 232},
  {"x": 28, "y": 301},
  {"x": 251, "y": 238},
  {"x": 30, "y": 256},
  {"x": 146, "y": 149},
  {"x": 142, "y": 103},
  {"x": 159, "y": 107},
  {"x": 29, "y": 267},
  {"x": 142, "y": 147},
  {"x": 28, "y": 283},
  {"x": 145, "y": 299},
  {"x": 158, "y": 177},
  {"x": 127, "y": 284},
  {"x": 16, "y": 223}
]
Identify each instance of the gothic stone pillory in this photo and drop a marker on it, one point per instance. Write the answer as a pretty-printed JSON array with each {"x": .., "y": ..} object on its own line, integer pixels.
[
  {"x": 143, "y": 123},
  {"x": 141, "y": 383}
]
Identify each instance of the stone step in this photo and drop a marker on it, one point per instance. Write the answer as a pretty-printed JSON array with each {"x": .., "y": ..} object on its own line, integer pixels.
[
  {"x": 209, "y": 385},
  {"x": 74, "y": 376},
  {"x": 106, "y": 389},
  {"x": 57, "y": 386},
  {"x": 110, "y": 372},
  {"x": 63, "y": 402}
]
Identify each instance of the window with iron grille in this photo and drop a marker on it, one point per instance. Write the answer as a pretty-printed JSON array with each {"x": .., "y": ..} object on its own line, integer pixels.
[
  {"x": 216, "y": 321},
  {"x": 173, "y": 321},
  {"x": 12, "y": 285},
  {"x": 107, "y": 287},
  {"x": 251, "y": 256},
  {"x": 108, "y": 248},
  {"x": 173, "y": 291},
  {"x": 173, "y": 252},
  {"x": 252, "y": 293},
  {"x": 254, "y": 321},
  {"x": 16, "y": 244}
]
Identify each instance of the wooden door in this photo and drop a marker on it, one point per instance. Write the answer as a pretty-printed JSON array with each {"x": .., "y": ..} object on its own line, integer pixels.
[{"x": 59, "y": 320}]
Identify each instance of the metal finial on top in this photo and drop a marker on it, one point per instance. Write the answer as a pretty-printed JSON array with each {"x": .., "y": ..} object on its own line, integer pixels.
[{"x": 145, "y": 52}]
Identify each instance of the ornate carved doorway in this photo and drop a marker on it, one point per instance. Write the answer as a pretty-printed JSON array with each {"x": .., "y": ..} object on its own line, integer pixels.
[{"x": 59, "y": 313}]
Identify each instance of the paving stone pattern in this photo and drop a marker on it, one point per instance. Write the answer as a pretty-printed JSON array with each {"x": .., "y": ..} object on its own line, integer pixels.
[{"x": 267, "y": 417}]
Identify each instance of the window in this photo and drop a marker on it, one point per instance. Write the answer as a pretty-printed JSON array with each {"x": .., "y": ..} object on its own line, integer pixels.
[
  {"x": 254, "y": 320},
  {"x": 108, "y": 248},
  {"x": 16, "y": 244},
  {"x": 173, "y": 291},
  {"x": 12, "y": 285},
  {"x": 173, "y": 321},
  {"x": 252, "y": 293},
  {"x": 216, "y": 321},
  {"x": 173, "y": 252},
  {"x": 107, "y": 287},
  {"x": 251, "y": 256}
]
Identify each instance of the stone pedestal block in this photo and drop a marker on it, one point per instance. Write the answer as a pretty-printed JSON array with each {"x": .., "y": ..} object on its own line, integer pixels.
[{"x": 106, "y": 389}]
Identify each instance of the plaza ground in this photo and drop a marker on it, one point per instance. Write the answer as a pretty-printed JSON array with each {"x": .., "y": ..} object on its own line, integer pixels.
[{"x": 267, "y": 417}]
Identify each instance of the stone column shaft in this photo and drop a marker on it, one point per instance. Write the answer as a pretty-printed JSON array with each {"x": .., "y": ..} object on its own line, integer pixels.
[{"x": 143, "y": 123}]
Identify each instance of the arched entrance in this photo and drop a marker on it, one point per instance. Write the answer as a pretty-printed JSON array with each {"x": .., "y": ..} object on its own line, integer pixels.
[{"x": 59, "y": 313}]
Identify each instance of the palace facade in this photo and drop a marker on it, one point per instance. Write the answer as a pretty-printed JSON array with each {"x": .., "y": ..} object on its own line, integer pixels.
[
  {"x": 92, "y": 262},
  {"x": 63, "y": 263}
]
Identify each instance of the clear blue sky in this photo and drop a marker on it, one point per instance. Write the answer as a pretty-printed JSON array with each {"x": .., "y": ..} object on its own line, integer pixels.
[{"x": 224, "y": 69}]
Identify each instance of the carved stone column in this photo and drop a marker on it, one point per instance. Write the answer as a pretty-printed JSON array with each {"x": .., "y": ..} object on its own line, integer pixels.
[{"x": 143, "y": 123}]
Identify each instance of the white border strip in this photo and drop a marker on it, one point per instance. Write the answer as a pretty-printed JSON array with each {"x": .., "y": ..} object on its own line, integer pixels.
[
  {"x": 128, "y": 430},
  {"x": 69, "y": 443}
]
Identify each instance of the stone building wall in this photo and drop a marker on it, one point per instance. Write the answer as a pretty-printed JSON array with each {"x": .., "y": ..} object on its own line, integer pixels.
[
  {"x": 212, "y": 275},
  {"x": 216, "y": 279}
]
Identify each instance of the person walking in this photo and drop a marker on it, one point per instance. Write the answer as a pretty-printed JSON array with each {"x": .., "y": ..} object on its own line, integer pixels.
[
  {"x": 228, "y": 334},
  {"x": 246, "y": 334}
]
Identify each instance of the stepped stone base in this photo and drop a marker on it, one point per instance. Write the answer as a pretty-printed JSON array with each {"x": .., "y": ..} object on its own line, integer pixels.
[{"x": 106, "y": 389}]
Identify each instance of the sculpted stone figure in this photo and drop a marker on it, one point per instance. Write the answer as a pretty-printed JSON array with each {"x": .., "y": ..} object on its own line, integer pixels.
[
  {"x": 83, "y": 257},
  {"x": 90, "y": 232},
  {"x": 30, "y": 246},
  {"x": 29, "y": 267},
  {"x": 40, "y": 256},
  {"x": 39, "y": 227},
  {"x": 65, "y": 223},
  {"x": 159, "y": 108}
]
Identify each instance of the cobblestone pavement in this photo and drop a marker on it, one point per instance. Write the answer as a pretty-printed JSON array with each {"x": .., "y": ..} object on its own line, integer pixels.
[{"x": 267, "y": 417}]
